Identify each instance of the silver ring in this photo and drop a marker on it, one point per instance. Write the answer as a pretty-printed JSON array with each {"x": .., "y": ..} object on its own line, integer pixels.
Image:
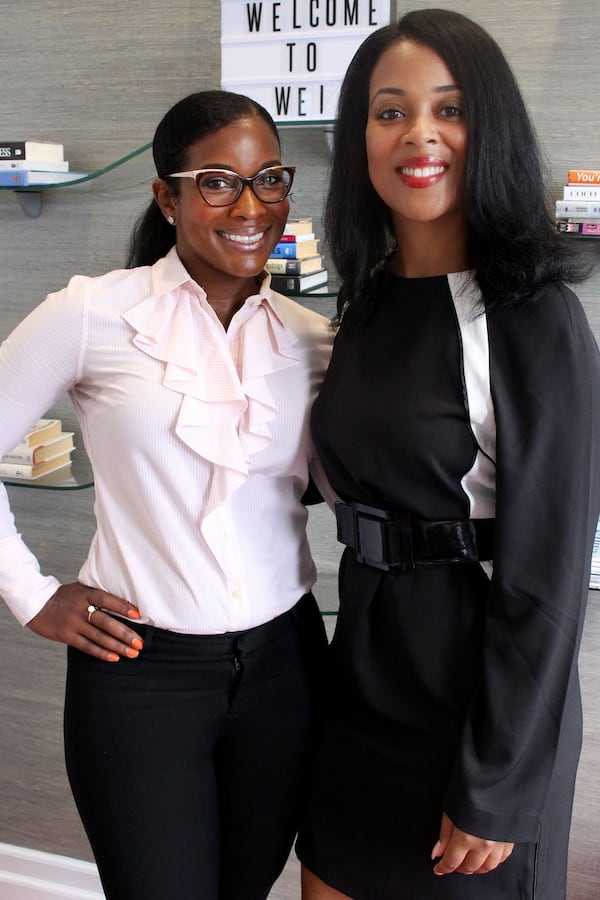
[{"x": 91, "y": 611}]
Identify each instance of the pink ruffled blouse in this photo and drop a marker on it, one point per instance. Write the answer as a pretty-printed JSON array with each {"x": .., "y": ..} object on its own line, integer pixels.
[{"x": 198, "y": 438}]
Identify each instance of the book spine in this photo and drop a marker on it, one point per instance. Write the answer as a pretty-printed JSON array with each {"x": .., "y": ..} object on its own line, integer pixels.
[
  {"x": 284, "y": 248},
  {"x": 12, "y": 149},
  {"x": 286, "y": 283},
  {"x": 284, "y": 266},
  {"x": 33, "y": 165},
  {"x": 20, "y": 454},
  {"x": 590, "y": 229},
  {"x": 16, "y": 470},
  {"x": 578, "y": 209},
  {"x": 584, "y": 176},
  {"x": 581, "y": 192},
  {"x": 22, "y": 470},
  {"x": 290, "y": 238},
  {"x": 298, "y": 226},
  {"x": 13, "y": 177}
]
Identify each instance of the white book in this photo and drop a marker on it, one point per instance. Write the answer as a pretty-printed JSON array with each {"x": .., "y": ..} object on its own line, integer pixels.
[
  {"x": 31, "y": 150},
  {"x": 578, "y": 209},
  {"x": 36, "y": 165},
  {"x": 581, "y": 192},
  {"x": 28, "y": 472},
  {"x": 32, "y": 454}
]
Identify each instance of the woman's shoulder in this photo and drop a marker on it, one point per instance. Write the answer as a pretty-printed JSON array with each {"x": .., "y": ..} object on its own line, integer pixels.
[
  {"x": 127, "y": 282},
  {"x": 556, "y": 308},
  {"x": 299, "y": 318}
]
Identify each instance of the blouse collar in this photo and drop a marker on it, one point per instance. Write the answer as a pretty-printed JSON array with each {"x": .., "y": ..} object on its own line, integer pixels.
[{"x": 225, "y": 411}]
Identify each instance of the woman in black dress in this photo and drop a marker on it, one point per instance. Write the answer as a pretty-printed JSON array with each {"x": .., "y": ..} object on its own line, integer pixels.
[{"x": 458, "y": 425}]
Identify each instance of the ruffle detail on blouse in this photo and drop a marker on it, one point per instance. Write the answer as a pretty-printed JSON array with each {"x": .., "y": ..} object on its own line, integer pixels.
[{"x": 223, "y": 417}]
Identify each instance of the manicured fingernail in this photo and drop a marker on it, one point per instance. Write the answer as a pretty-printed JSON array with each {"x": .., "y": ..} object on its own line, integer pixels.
[
  {"x": 436, "y": 851},
  {"x": 137, "y": 643},
  {"x": 132, "y": 653},
  {"x": 134, "y": 614},
  {"x": 112, "y": 657}
]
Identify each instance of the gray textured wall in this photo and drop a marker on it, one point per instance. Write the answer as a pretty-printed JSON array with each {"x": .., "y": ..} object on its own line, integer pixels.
[{"x": 97, "y": 77}]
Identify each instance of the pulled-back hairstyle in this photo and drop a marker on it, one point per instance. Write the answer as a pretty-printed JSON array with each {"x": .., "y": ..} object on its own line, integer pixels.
[
  {"x": 514, "y": 248},
  {"x": 191, "y": 119}
]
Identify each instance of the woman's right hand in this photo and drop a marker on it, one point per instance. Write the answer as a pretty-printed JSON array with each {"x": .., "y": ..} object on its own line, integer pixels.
[
  {"x": 66, "y": 617},
  {"x": 459, "y": 851}
]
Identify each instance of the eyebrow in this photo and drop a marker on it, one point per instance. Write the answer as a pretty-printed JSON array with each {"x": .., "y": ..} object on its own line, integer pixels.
[
  {"x": 441, "y": 89},
  {"x": 267, "y": 165}
]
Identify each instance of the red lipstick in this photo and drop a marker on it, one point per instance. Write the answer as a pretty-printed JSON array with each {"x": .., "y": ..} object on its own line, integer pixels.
[{"x": 422, "y": 171}]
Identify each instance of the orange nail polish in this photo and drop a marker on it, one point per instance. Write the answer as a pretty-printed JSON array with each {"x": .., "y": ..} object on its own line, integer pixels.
[
  {"x": 134, "y": 614},
  {"x": 132, "y": 653},
  {"x": 137, "y": 644},
  {"x": 112, "y": 657}
]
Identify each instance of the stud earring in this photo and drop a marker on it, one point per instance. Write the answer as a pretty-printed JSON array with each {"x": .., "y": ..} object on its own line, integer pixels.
[{"x": 170, "y": 220}]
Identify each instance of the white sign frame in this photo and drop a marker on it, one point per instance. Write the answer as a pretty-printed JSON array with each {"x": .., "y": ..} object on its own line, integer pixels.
[{"x": 291, "y": 55}]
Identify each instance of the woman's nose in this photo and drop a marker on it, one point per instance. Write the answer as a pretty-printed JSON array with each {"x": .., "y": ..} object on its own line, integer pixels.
[
  {"x": 248, "y": 203},
  {"x": 421, "y": 129}
]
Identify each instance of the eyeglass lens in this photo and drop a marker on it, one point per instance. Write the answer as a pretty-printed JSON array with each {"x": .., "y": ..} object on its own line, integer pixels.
[{"x": 223, "y": 188}]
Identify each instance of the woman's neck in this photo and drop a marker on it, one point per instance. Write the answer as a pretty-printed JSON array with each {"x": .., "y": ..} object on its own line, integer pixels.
[{"x": 426, "y": 249}]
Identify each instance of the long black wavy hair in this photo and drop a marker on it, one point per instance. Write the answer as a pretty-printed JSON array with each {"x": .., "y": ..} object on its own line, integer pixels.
[
  {"x": 514, "y": 247},
  {"x": 189, "y": 120}
]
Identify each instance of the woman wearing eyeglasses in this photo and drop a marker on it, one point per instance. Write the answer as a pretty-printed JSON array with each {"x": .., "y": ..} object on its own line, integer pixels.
[{"x": 194, "y": 639}]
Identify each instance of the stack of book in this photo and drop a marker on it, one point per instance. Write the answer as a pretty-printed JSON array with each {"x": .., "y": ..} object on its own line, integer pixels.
[
  {"x": 24, "y": 163},
  {"x": 578, "y": 213},
  {"x": 295, "y": 263},
  {"x": 43, "y": 451}
]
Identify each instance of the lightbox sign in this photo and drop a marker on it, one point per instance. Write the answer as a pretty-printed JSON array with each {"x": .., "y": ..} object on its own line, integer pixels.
[{"x": 291, "y": 56}]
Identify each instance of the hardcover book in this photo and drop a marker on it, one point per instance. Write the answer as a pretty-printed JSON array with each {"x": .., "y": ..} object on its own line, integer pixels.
[
  {"x": 578, "y": 209},
  {"x": 9, "y": 471},
  {"x": 589, "y": 229},
  {"x": 43, "y": 430},
  {"x": 31, "y": 150},
  {"x": 296, "y": 250},
  {"x": 38, "y": 453},
  {"x": 286, "y": 266},
  {"x": 26, "y": 178},
  {"x": 298, "y": 226},
  {"x": 37, "y": 165},
  {"x": 581, "y": 192},
  {"x": 288, "y": 237},
  {"x": 55, "y": 476},
  {"x": 296, "y": 284},
  {"x": 584, "y": 176}
]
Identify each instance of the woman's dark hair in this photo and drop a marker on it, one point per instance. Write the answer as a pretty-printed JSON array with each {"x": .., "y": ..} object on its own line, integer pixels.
[
  {"x": 514, "y": 247},
  {"x": 190, "y": 120}
]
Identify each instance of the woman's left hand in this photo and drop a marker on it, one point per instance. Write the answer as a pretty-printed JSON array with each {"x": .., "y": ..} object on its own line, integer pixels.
[{"x": 467, "y": 853}]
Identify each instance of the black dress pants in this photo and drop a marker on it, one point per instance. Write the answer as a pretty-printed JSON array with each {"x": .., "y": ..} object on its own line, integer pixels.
[{"x": 187, "y": 764}]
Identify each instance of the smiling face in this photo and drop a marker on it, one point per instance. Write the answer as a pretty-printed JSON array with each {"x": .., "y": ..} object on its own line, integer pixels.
[
  {"x": 225, "y": 248},
  {"x": 416, "y": 137}
]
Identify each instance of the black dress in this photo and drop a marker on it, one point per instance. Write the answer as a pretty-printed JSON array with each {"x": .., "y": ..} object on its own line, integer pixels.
[{"x": 454, "y": 687}]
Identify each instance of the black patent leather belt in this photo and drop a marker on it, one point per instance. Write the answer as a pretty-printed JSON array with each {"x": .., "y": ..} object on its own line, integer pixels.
[{"x": 397, "y": 542}]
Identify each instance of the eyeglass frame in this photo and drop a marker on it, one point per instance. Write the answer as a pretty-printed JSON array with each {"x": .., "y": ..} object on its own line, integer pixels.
[{"x": 244, "y": 182}]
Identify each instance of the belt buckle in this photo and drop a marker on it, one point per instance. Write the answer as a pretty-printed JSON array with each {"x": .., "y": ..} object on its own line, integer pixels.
[{"x": 382, "y": 539}]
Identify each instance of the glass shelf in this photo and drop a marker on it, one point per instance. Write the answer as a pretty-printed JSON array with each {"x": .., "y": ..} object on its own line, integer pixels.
[
  {"x": 134, "y": 168},
  {"x": 79, "y": 478}
]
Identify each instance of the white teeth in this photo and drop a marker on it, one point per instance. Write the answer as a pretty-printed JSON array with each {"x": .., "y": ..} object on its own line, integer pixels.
[
  {"x": 246, "y": 239},
  {"x": 426, "y": 172}
]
